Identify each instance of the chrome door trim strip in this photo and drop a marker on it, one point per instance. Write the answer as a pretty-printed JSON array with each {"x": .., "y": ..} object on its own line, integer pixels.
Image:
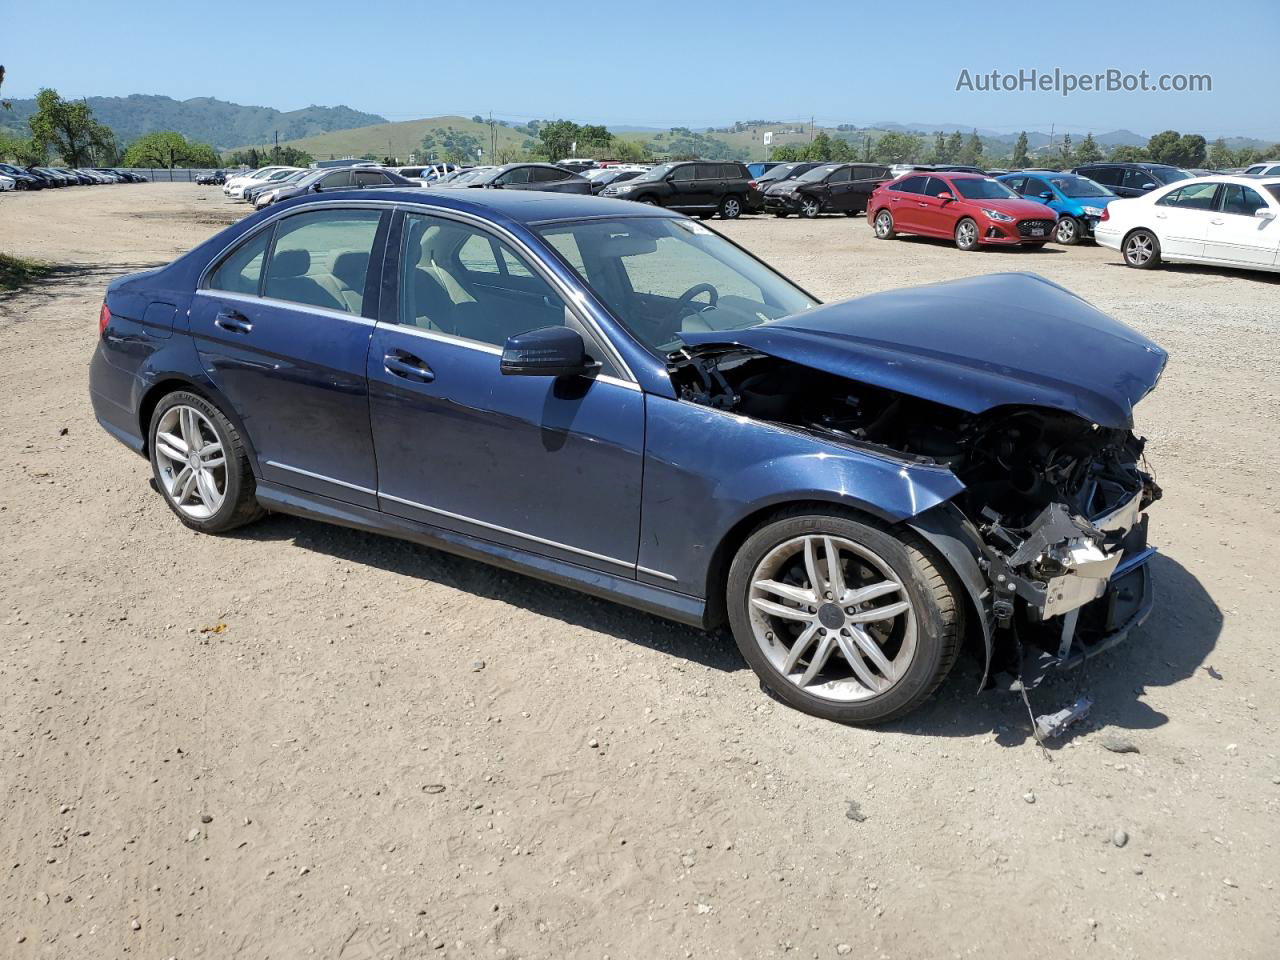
[
  {"x": 319, "y": 476},
  {"x": 285, "y": 305},
  {"x": 507, "y": 530},
  {"x": 656, "y": 573}
]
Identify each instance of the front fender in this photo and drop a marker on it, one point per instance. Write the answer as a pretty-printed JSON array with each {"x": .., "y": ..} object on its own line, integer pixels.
[{"x": 708, "y": 471}]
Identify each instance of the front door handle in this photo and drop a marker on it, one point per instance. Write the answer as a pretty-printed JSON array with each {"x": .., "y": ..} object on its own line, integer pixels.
[
  {"x": 1216, "y": 223},
  {"x": 233, "y": 321},
  {"x": 407, "y": 366}
]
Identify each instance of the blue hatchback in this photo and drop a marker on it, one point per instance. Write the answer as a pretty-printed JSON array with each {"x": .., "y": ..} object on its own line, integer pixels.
[
  {"x": 1078, "y": 201},
  {"x": 617, "y": 399}
]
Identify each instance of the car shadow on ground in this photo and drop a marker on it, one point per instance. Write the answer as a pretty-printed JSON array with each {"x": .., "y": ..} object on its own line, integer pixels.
[
  {"x": 483, "y": 580},
  {"x": 1206, "y": 270},
  {"x": 1173, "y": 645},
  {"x": 982, "y": 248},
  {"x": 1170, "y": 647}
]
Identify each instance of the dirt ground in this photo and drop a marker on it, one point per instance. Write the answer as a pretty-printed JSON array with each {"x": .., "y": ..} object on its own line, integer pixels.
[{"x": 305, "y": 741}]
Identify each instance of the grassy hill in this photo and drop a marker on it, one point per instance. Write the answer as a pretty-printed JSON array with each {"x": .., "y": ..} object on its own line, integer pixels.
[
  {"x": 401, "y": 139},
  {"x": 205, "y": 119}
]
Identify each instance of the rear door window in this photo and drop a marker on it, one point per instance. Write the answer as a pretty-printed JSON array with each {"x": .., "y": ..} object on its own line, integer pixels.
[
  {"x": 337, "y": 180},
  {"x": 321, "y": 259},
  {"x": 911, "y": 185},
  {"x": 1240, "y": 200},
  {"x": 1108, "y": 176},
  {"x": 1137, "y": 179},
  {"x": 241, "y": 271}
]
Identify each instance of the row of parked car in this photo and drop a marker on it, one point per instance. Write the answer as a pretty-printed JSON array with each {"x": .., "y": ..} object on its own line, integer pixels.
[{"x": 38, "y": 178}]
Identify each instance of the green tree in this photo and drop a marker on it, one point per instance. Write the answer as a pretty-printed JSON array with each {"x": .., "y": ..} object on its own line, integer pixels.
[
  {"x": 939, "y": 154},
  {"x": 1127, "y": 154},
  {"x": 1021, "y": 152},
  {"x": 1164, "y": 146},
  {"x": 955, "y": 145},
  {"x": 1192, "y": 150},
  {"x": 4, "y": 104},
  {"x": 1088, "y": 151},
  {"x": 787, "y": 153},
  {"x": 561, "y": 137},
  {"x": 68, "y": 129},
  {"x": 1066, "y": 153},
  {"x": 895, "y": 147},
  {"x": 819, "y": 148},
  {"x": 477, "y": 119},
  {"x": 971, "y": 154},
  {"x": 630, "y": 150},
  {"x": 842, "y": 151},
  {"x": 169, "y": 149},
  {"x": 1220, "y": 155}
]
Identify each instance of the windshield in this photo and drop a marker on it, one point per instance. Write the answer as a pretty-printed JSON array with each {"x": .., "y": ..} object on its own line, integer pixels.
[
  {"x": 819, "y": 173},
  {"x": 987, "y": 189},
  {"x": 1168, "y": 174},
  {"x": 658, "y": 172},
  {"x": 776, "y": 173},
  {"x": 1080, "y": 187},
  {"x": 663, "y": 277}
]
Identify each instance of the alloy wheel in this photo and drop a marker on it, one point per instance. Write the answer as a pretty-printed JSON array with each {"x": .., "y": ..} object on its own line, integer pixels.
[
  {"x": 191, "y": 462},
  {"x": 731, "y": 209},
  {"x": 1138, "y": 249},
  {"x": 810, "y": 208},
  {"x": 1066, "y": 230},
  {"x": 966, "y": 234},
  {"x": 832, "y": 617},
  {"x": 884, "y": 223}
]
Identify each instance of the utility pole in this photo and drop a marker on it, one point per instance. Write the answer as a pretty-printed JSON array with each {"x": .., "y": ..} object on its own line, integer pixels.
[
  {"x": 275, "y": 151},
  {"x": 493, "y": 137}
]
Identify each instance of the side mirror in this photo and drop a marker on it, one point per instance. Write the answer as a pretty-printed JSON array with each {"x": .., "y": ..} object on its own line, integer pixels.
[
  {"x": 1148, "y": 186},
  {"x": 1262, "y": 213},
  {"x": 315, "y": 187},
  {"x": 546, "y": 352},
  {"x": 1046, "y": 195},
  {"x": 945, "y": 196}
]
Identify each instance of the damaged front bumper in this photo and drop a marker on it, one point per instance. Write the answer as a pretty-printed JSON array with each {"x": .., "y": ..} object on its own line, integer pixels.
[{"x": 1065, "y": 589}]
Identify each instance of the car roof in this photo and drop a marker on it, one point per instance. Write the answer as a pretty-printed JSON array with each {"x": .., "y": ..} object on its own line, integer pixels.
[{"x": 522, "y": 206}]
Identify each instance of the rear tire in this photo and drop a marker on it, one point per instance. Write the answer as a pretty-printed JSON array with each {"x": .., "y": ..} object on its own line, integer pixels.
[
  {"x": 883, "y": 225},
  {"x": 187, "y": 430},
  {"x": 1141, "y": 250},
  {"x": 917, "y": 639},
  {"x": 730, "y": 208}
]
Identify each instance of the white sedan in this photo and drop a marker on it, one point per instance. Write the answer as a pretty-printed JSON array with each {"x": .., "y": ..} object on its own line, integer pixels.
[
  {"x": 7, "y": 183},
  {"x": 1224, "y": 221}
]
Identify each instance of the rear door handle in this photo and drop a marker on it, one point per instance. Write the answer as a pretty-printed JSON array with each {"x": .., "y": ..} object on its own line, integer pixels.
[
  {"x": 1216, "y": 222},
  {"x": 232, "y": 321},
  {"x": 407, "y": 366}
]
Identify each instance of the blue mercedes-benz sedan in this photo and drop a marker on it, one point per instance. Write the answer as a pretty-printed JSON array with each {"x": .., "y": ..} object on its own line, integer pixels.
[{"x": 618, "y": 399}]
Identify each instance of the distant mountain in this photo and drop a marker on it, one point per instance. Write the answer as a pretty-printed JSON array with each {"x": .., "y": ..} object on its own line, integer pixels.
[{"x": 218, "y": 122}]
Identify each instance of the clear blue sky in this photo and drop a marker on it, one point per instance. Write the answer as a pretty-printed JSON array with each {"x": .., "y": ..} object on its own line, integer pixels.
[{"x": 656, "y": 63}]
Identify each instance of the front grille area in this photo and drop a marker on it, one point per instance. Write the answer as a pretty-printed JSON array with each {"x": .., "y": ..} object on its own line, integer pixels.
[{"x": 1026, "y": 226}]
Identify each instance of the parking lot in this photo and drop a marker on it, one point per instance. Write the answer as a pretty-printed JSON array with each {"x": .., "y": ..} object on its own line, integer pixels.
[{"x": 300, "y": 740}]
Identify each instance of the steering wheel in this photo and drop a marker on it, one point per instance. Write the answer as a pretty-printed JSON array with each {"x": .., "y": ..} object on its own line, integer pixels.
[{"x": 685, "y": 302}]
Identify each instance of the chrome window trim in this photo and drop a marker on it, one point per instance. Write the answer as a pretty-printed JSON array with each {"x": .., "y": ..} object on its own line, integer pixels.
[
  {"x": 287, "y": 305},
  {"x": 481, "y": 347},
  {"x": 573, "y": 298},
  {"x": 319, "y": 476},
  {"x": 507, "y": 530}
]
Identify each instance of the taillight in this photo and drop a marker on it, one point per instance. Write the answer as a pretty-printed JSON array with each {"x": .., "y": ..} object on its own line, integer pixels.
[
  {"x": 104, "y": 317},
  {"x": 751, "y": 184},
  {"x": 1106, "y": 214}
]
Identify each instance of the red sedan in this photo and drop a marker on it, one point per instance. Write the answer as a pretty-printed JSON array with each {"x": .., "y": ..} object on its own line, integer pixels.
[{"x": 966, "y": 207}]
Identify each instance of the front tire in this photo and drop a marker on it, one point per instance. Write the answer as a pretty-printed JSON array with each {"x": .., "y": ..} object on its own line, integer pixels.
[
  {"x": 1141, "y": 250},
  {"x": 883, "y": 225},
  {"x": 810, "y": 208},
  {"x": 200, "y": 464},
  {"x": 1068, "y": 231},
  {"x": 730, "y": 208},
  {"x": 864, "y": 644},
  {"x": 966, "y": 235}
]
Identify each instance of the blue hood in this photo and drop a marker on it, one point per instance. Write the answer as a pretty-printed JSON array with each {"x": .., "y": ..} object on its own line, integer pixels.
[{"x": 972, "y": 344}]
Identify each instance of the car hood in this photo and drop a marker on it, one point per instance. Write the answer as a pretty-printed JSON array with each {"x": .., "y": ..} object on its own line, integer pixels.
[
  {"x": 1016, "y": 208},
  {"x": 972, "y": 344}
]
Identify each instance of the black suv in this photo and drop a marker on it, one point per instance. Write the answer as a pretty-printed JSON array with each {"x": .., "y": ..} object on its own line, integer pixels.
[
  {"x": 1131, "y": 179},
  {"x": 694, "y": 186},
  {"x": 827, "y": 188}
]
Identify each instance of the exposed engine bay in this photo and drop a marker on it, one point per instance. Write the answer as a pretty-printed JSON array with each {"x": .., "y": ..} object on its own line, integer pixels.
[{"x": 1057, "y": 501}]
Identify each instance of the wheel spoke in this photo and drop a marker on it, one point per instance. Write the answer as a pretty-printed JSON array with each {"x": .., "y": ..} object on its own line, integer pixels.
[
  {"x": 179, "y": 482},
  {"x": 780, "y": 610},
  {"x": 208, "y": 489},
  {"x": 857, "y": 664},
  {"x": 188, "y": 486},
  {"x": 811, "y": 570},
  {"x": 872, "y": 592},
  {"x": 818, "y": 661},
  {"x": 875, "y": 614},
  {"x": 173, "y": 442},
  {"x": 803, "y": 642},
  {"x": 787, "y": 591},
  {"x": 867, "y": 644},
  {"x": 835, "y": 573}
]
